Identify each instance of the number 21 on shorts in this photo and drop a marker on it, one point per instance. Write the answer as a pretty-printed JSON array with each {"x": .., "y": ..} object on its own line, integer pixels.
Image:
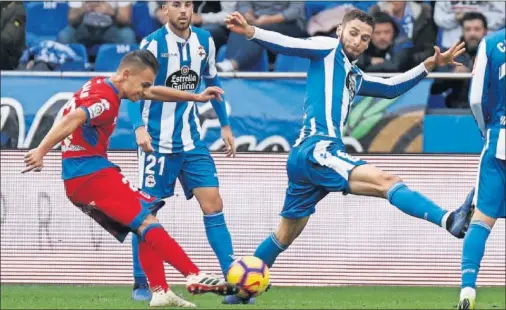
[{"x": 153, "y": 165}]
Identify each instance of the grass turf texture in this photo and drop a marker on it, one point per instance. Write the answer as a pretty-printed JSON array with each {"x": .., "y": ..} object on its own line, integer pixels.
[{"x": 118, "y": 297}]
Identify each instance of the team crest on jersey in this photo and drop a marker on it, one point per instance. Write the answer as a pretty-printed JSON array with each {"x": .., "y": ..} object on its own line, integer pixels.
[
  {"x": 150, "y": 181},
  {"x": 351, "y": 85},
  {"x": 202, "y": 52},
  {"x": 184, "y": 79}
]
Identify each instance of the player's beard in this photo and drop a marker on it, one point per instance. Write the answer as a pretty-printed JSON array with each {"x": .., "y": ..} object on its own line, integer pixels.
[
  {"x": 179, "y": 26},
  {"x": 348, "y": 55}
]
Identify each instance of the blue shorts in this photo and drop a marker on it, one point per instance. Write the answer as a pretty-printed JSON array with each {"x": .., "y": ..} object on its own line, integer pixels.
[
  {"x": 158, "y": 172},
  {"x": 490, "y": 197},
  {"x": 315, "y": 168}
]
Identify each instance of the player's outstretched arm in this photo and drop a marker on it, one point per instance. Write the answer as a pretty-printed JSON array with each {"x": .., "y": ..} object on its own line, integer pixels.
[
  {"x": 401, "y": 83},
  {"x": 313, "y": 48},
  {"x": 61, "y": 130},
  {"x": 162, "y": 93}
]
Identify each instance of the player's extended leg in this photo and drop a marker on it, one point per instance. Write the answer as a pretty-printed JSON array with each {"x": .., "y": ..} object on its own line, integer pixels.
[
  {"x": 277, "y": 242},
  {"x": 300, "y": 202},
  {"x": 302, "y": 195},
  {"x": 124, "y": 206},
  {"x": 371, "y": 181},
  {"x": 198, "y": 178},
  {"x": 155, "y": 244}
]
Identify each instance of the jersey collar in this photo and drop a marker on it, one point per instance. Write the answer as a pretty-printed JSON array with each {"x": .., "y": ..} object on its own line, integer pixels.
[
  {"x": 109, "y": 82},
  {"x": 176, "y": 37}
]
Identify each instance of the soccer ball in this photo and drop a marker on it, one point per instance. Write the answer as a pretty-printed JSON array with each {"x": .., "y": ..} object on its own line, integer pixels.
[{"x": 250, "y": 274}]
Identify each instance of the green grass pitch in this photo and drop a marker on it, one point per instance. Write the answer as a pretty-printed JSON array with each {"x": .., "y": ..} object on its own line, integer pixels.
[{"x": 118, "y": 297}]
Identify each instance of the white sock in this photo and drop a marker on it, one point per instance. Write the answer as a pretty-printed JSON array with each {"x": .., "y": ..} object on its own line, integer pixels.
[
  {"x": 225, "y": 66},
  {"x": 445, "y": 219},
  {"x": 468, "y": 292}
]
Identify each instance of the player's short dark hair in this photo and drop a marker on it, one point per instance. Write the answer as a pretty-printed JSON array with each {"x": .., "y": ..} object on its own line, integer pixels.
[
  {"x": 142, "y": 59},
  {"x": 160, "y": 3},
  {"x": 474, "y": 15},
  {"x": 384, "y": 18},
  {"x": 360, "y": 15}
]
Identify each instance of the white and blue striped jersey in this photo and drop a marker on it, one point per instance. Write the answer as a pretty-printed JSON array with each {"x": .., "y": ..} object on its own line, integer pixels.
[
  {"x": 487, "y": 94},
  {"x": 174, "y": 126},
  {"x": 333, "y": 81}
]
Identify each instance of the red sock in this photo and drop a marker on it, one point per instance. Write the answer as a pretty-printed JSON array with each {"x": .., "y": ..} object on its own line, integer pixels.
[
  {"x": 170, "y": 251},
  {"x": 152, "y": 265}
]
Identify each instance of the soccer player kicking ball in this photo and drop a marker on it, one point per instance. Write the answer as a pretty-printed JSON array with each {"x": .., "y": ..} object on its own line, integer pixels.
[
  {"x": 487, "y": 100},
  {"x": 168, "y": 131},
  {"x": 318, "y": 164},
  {"x": 95, "y": 184}
]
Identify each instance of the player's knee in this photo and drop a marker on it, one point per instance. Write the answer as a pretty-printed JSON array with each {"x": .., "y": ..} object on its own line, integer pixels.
[
  {"x": 150, "y": 219},
  {"x": 286, "y": 237},
  {"x": 212, "y": 204},
  {"x": 388, "y": 180},
  {"x": 481, "y": 217}
]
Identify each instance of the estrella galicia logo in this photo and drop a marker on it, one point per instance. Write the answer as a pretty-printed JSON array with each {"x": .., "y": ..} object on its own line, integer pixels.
[{"x": 184, "y": 79}]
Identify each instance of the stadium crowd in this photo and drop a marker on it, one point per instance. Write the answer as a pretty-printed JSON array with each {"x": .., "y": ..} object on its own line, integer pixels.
[{"x": 86, "y": 35}]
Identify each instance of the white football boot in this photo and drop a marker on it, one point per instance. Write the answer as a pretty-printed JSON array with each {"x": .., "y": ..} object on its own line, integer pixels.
[
  {"x": 167, "y": 298},
  {"x": 467, "y": 299},
  {"x": 202, "y": 283}
]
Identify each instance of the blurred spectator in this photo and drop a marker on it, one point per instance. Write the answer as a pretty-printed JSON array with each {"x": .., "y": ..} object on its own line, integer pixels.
[
  {"x": 97, "y": 22},
  {"x": 325, "y": 22},
  {"x": 325, "y": 17},
  {"x": 12, "y": 41},
  {"x": 380, "y": 56},
  {"x": 417, "y": 31},
  {"x": 448, "y": 16},
  {"x": 285, "y": 17},
  {"x": 50, "y": 56},
  {"x": 213, "y": 21},
  {"x": 474, "y": 27},
  {"x": 155, "y": 9}
]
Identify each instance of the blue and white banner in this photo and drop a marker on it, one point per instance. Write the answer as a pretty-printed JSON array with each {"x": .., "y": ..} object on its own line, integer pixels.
[{"x": 265, "y": 115}]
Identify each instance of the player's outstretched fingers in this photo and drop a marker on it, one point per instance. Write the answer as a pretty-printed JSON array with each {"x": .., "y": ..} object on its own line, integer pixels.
[{"x": 459, "y": 52}]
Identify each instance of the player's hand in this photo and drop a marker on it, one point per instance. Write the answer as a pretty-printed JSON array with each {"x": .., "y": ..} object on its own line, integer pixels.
[
  {"x": 228, "y": 138},
  {"x": 143, "y": 139},
  {"x": 33, "y": 161},
  {"x": 447, "y": 58},
  {"x": 209, "y": 93},
  {"x": 235, "y": 22}
]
